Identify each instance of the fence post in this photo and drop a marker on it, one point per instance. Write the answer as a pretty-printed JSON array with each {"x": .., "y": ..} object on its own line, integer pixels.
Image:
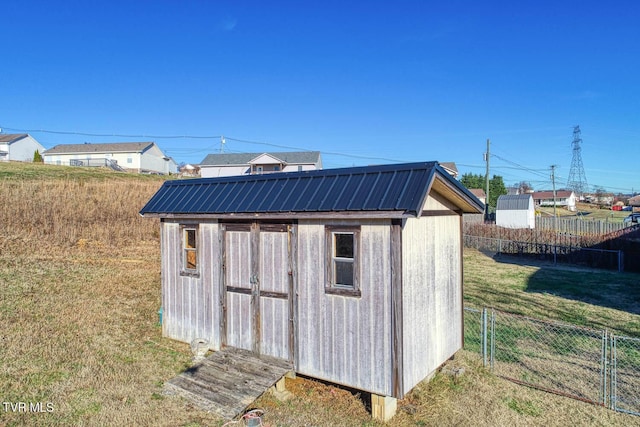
[
  {"x": 620, "y": 261},
  {"x": 614, "y": 385},
  {"x": 604, "y": 368},
  {"x": 484, "y": 336},
  {"x": 493, "y": 337}
]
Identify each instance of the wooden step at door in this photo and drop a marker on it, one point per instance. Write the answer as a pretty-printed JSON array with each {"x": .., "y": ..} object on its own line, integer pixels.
[{"x": 228, "y": 381}]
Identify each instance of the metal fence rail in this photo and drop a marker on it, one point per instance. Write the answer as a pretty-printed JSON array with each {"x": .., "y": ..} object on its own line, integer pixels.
[{"x": 587, "y": 364}]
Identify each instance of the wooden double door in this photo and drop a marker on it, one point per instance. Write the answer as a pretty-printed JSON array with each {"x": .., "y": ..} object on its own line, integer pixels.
[{"x": 258, "y": 310}]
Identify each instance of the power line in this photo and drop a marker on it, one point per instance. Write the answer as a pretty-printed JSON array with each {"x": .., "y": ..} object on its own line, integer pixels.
[
  {"x": 111, "y": 134},
  {"x": 355, "y": 156},
  {"x": 228, "y": 138},
  {"x": 533, "y": 171}
]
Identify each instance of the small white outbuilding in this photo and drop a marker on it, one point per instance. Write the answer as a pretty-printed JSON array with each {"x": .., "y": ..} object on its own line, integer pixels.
[{"x": 516, "y": 211}]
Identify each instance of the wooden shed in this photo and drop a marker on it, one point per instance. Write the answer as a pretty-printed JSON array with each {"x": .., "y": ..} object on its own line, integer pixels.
[{"x": 353, "y": 275}]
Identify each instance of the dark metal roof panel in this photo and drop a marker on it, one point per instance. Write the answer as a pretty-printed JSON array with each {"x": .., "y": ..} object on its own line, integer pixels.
[
  {"x": 515, "y": 202},
  {"x": 399, "y": 187},
  {"x": 292, "y": 199}
]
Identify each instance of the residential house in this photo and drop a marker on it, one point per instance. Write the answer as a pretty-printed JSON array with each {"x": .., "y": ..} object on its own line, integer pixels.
[
  {"x": 18, "y": 147},
  {"x": 352, "y": 275},
  {"x": 634, "y": 202},
  {"x": 480, "y": 194},
  {"x": 563, "y": 198},
  {"x": 189, "y": 170},
  {"x": 233, "y": 164},
  {"x": 451, "y": 168},
  {"x": 140, "y": 157}
]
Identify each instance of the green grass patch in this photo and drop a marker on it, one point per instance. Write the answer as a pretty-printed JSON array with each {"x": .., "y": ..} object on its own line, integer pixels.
[{"x": 524, "y": 407}]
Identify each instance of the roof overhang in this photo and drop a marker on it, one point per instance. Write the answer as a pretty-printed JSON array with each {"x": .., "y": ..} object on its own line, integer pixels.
[
  {"x": 457, "y": 194},
  {"x": 286, "y": 215}
]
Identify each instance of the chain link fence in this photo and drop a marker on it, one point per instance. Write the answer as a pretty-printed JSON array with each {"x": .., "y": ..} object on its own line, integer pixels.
[
  {"x": 625, "y": 374},
  {"x": 590, "y": 365}
]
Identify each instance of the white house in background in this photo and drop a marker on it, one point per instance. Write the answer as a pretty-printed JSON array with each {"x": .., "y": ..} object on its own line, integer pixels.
[
  {"x": 515, "y": 211},
  {"x": 233, "y": 164},
  {"x": 564, "y": 198},
  {"x": 189, "y": 170},
  {"x": 140, "y": 157},
  {"x": 18, "y": 147}
]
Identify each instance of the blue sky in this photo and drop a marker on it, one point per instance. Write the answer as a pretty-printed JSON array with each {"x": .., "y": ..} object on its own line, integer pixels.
[{"x": 362, "y": 82}]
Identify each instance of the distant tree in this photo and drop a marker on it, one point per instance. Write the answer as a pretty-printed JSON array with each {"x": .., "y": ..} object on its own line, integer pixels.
[
  {"x": 471, "y": 180},
  {"x": 599, "y": 196},
  {"x": 524, "y": 187},
  {"x": 496, "y": 186},
  {"x": 496, "y": 189},
  {"x": 37, "y": 157}
]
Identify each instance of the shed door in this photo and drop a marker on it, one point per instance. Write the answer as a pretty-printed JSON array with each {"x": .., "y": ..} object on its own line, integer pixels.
[{"x": 258, "y": 288}]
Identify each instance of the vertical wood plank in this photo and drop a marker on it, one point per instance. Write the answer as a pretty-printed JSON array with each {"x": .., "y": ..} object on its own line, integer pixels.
[
  {"x": 396, "y": 309},
  {"x": 255, "y": 285},
  {"x": 222, "y": 277},
  {"x": 292, "y": 240}
]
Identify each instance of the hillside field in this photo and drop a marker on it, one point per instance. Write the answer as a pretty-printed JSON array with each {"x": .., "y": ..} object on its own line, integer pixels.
[{"x": 79, "y": 334}]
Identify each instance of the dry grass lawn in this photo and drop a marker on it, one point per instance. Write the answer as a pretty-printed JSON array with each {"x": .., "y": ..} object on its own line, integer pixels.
[{"x": 79, "y": 294}]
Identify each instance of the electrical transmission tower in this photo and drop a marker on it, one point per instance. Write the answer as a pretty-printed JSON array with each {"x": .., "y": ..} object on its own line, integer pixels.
[{"x": 577, "y": 179}]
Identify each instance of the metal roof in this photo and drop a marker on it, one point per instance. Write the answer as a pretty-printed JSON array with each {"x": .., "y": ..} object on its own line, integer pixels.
[
  {"x": 400, "y": 187},
  {"x": 515, "y": 202},
  {"x": 109, "y": 147},
  {"x": 245, "y": 158}
]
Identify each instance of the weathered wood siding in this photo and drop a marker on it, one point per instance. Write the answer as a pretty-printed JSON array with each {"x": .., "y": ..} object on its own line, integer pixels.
[
  {"x": 432, "y": 290},
  {"x": 238, "y": 261},
  {"x": 346, "y": 340},
  {"x": 191, "y": 304},
  {"x": 274, "y": 281}
]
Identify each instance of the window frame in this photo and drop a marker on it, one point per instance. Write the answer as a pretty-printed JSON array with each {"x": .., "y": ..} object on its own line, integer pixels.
[
  {"x": 185, "y": 270},
  {"x": 331, "y": 287}
]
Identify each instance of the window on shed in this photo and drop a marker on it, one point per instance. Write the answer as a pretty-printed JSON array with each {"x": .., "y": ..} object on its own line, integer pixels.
[
  {"x": 189, "y": 250},
  {"x": 342, "y": 260}
]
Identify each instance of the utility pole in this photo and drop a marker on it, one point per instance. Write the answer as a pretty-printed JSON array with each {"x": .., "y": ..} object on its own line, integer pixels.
[
  {"x": 222, "y": 142},
  {"x": 486, "y": 158}
]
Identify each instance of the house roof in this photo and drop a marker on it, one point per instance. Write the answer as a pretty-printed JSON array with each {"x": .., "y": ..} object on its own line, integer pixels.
[
  {"x": 478, "y": 192},
  {"x": 514, "y": 202},
  {"x": 548, "y": 195},
  {"x": 450, "y": 167},
  {"x": 399, "y": 188},
  {"x": 634, "y": 201},
  {"x": 12, "y": 137},
  {"x": 110, "y": 147},
  {"x": 227, "y": 159}
]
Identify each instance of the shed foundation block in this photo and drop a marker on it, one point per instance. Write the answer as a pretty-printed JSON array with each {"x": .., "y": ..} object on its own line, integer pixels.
[
  {"x": 383, "y": 408},
  {"x": 279, "y": 390}
]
